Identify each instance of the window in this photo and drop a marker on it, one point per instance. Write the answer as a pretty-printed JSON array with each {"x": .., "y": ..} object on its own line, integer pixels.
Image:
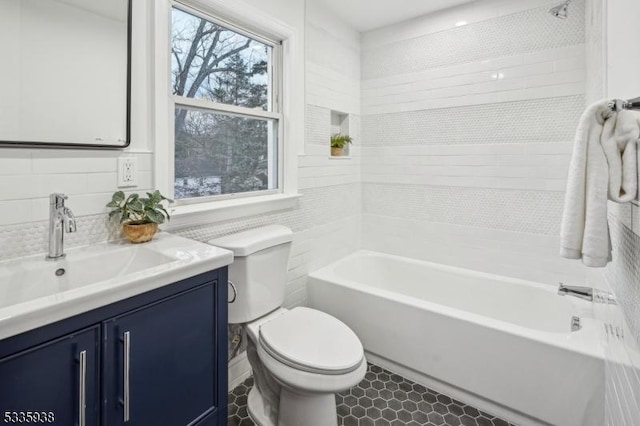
[{"x": 227, "y": 123}]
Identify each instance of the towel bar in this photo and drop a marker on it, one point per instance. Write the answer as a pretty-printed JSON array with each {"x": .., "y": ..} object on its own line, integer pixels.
[{"x": 620, "y": 104}]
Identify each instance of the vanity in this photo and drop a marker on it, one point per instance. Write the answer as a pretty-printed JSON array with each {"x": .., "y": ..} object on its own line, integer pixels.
[{"x": 116, "y": 334}]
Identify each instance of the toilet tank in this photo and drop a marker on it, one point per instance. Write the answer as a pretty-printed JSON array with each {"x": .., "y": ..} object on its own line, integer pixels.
[{"x": 258, "y": 271}]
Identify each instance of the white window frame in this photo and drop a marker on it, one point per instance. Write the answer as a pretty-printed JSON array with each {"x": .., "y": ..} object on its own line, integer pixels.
[{"x": 290, "y": 122}]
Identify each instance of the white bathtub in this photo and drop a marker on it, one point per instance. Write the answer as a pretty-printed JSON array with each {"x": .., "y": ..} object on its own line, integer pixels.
[{"x": 501, "y": 344}]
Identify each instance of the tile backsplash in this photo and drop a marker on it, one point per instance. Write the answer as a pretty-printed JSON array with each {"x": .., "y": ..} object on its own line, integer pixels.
[
  {"x": 30, "y": 238},
  {"x": 88, "y": 177}
]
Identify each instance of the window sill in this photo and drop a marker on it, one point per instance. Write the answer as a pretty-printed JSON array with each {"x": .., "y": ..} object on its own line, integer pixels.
[{"x": 217, "y": 211}]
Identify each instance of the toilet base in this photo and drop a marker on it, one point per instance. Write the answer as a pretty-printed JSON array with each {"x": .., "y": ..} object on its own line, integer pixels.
[
  {"x": 295, "y": 409},
  {"x": 313, "y": 409},
  {"x": 256, "y": 409}
]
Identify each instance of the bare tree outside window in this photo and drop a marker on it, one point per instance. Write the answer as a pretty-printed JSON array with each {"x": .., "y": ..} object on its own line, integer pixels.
[{"x": 217, "y": 150}]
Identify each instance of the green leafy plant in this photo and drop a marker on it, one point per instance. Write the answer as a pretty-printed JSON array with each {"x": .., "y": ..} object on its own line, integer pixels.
[
  {"x": 136, "y": 210},
  {"x": 338, "y": 140}
]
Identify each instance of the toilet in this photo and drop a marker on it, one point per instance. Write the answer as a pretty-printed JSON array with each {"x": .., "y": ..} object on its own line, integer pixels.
[{"x": 300, "y": 357}]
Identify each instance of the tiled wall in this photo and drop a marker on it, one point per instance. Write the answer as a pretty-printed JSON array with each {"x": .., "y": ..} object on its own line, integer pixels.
[
  {"x": 325, "y": 228},
  {"x": 467, "y": 133},
  {"x": 327, "y": 223},
  {"x": 623, "y": 275},
  {"x": 88, "y": 177},
  {"x": 622, "y": 373},
  {"x": 612, "y": 60}
]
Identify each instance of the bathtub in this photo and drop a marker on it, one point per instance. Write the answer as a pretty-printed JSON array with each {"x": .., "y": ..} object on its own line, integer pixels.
[{"x": 504, "y": 345}]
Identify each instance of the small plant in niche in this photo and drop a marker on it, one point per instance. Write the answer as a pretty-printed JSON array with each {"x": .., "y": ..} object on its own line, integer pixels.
[
  {"x": 338, "y": 142},
  {"x": 139, "y": 216}
]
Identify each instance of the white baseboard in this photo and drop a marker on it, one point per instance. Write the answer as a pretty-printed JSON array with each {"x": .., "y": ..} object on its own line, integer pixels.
[{"x": 239, "y": 370}]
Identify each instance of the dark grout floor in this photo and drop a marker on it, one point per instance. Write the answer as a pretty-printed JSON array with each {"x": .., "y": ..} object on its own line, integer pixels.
[{"x": 383, "y": 398}]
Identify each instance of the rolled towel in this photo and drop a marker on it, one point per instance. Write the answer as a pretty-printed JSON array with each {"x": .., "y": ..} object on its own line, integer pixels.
[
  {"x": 619, "y": 138},
  {"x": 584, "y": 230}
]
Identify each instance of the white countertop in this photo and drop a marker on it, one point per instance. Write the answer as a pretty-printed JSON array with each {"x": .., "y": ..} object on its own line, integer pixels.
[{"x": 33, "y": 295}]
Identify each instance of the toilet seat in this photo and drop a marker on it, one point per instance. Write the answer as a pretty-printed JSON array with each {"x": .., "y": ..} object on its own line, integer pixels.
[{"x": 312, "y": 341}]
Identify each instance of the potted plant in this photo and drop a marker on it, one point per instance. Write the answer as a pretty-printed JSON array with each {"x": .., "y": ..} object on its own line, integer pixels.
[
  {"x": 139, "y": 216},
  {"x": 338, "y": 142}
]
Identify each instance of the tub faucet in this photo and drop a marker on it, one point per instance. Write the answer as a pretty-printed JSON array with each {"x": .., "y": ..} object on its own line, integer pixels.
[
  {"x": 61, "y": 219},
  {"x": 587, "y": 293}
]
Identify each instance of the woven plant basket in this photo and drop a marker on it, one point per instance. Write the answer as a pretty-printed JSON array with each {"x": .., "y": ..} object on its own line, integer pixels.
[{"x": 140, "y": 233}]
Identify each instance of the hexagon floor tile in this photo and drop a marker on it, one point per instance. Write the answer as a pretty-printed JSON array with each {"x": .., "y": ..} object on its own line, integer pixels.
[{"x": 381, "y": 399}]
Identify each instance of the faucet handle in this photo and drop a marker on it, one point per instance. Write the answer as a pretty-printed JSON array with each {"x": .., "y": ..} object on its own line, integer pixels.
[
  {"x": 57, "y": 199},
  {"x": 69, "y": 220}
]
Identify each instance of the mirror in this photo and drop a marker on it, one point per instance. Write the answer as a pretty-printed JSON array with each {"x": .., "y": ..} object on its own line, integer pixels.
[{"x": 65, "y": 73}]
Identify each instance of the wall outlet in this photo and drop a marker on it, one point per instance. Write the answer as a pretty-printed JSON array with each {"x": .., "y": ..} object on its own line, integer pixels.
[{"x": 127, "y": 172}]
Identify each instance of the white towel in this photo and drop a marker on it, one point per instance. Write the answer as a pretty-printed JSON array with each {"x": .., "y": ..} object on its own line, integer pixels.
[
  {"x": 584, "y": 231},
  {"x": 619, "y": 138}
]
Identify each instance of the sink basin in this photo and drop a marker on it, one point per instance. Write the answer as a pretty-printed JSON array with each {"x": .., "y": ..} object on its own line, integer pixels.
[
  {"x": 35, "y": 292},
  {"x": 34, "y": 277}
]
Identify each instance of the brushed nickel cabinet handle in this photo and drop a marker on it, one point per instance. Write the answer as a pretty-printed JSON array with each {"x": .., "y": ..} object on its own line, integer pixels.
[
  {"x": 82, "y": 393},
  {"x": 127, "y": 369}
]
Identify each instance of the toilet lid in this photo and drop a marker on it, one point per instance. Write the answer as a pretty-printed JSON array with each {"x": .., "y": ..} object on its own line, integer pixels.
[{"x": 311, "y": 340}]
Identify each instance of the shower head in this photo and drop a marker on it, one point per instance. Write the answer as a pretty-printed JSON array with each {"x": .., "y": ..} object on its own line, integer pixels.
[{"x": 560, "y": 11}]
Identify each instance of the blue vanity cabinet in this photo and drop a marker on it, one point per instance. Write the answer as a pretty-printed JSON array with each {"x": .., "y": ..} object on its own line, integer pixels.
[
  {"x": 53, "y": 383},
  {"x": 162, "y": 371},
  {"x": 158, "y": 358}
]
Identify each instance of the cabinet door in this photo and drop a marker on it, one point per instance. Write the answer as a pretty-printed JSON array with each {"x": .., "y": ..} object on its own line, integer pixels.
[
  {"x": 159, "y": 362},
  {"x": 54, "y": 383}
]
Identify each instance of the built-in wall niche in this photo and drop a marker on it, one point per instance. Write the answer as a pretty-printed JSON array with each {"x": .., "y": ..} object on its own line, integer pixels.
[{"x": 340, "y": 124}]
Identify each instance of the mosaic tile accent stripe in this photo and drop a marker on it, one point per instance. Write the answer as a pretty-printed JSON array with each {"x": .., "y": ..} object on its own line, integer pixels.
[
  {"x": 529, "y": 31},
  {"x": 536, "y": 212},
  {"x": 381, "y": 399},
  {"x": 32, "y": 238},
  {"x": 478, "y": 124},
  {"x": 318, "y": 206}
]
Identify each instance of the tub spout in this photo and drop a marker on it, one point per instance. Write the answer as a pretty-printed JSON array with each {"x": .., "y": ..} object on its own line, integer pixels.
[{"x": 586, "y": 293}]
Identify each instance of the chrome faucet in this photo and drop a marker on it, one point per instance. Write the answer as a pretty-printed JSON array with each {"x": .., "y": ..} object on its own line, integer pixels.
[
  {"x": 61, "y": 219},
  {"x": 586, "y": 293}
]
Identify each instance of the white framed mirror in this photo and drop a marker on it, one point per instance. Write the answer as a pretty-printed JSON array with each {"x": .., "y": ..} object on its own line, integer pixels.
[{"x": 66, "y": 73}]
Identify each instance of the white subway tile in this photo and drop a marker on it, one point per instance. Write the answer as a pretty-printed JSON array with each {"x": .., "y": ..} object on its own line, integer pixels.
[
  {"x": 17, "y": 187},
  {"x": 69, "y": 184},
  {"x": 89, "y": 204},
  {"x": 145, "y": 182},
  {"x": 145, "y": 161},
  {"x": 540, "y": 184},
  {"x": 40, "y": 209},
  {"x": 564, "y": 77},
  {"x": 570, "y": 64},
  {"x": 68, "y": 161},
  {"x": 558, "y": 53},
  {"x": 424, "y": 171},
  {"x": 635, "y": 219},
  {"x": 15, "y": 211},
  {"x": 15, "y": 161},
  {"x": 103, "y": 182}
]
